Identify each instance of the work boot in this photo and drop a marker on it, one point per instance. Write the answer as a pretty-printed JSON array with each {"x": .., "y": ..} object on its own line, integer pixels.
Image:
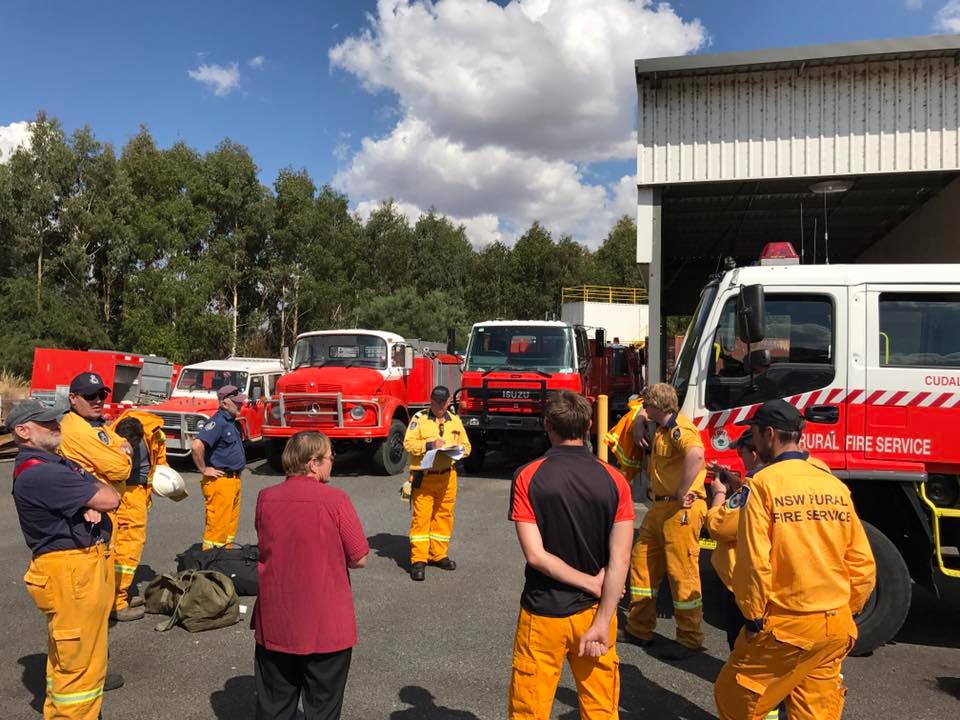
[
  {"x": 112, "y": 682},
  {"x": 677, "y": 652},
  {"x": 418, "y": 572},
  {"x": 627, "y": 637},
  {"x": 137, "y": 601},
  {"x": 444, "y": 564},
  {"x": 127, "y": 614}
]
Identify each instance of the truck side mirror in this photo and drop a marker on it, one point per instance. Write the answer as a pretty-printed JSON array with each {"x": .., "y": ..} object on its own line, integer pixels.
[
  {"x": 285, "y": 357},
  {"x": 751, "y": 314},
  {"x": 408, "y": 358},
  {"x": 599, "y": 342},
  {"x": 451, "y": 341}
]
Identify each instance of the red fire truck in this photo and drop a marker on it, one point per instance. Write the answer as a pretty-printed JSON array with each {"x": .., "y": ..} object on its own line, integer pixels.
[
  {"x": 510, "y": 367},
  {"x": 360, "y": 388},
  {"x": 133, "y": 379},
  {"x": 194, "y": 398},
  {"x": 871, "y": 355}
]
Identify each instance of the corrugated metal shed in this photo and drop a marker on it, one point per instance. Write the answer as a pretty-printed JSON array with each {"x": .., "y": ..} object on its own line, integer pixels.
[{"x": 860, "y": 108}]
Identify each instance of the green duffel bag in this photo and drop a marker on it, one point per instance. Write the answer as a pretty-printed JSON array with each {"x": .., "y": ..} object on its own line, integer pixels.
[{"x": 197, "y": 600}]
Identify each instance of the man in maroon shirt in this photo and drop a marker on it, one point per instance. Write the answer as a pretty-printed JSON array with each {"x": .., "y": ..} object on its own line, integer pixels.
[
  {"x": 304, "y": 621},
  {"x": 574, "y": 519}
]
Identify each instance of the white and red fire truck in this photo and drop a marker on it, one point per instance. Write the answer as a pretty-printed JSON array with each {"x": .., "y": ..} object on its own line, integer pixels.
[
  {"x": 360, "y": 388},
  {"x": 194, "y": 398},
  {"x": 510, "y": 367},
  {"x": 871, "y": 355},
  {"x": 133, "y": 379}
]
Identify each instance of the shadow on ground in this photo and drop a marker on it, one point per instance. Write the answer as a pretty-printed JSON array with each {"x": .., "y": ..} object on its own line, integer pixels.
[
  {"x": 423, "y": 706},
  {"x": 393, "y": 547},
  {"x": 236, "y": 701},
  {"x": 34, "y": 678}
]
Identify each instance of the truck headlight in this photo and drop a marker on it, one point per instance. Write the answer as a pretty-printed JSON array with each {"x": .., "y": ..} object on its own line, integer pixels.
[
  {"x": 275, "y": 412},
  {"x": 357, "y": 412}
]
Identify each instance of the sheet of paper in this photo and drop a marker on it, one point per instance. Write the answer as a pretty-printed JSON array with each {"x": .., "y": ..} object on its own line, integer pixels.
[
  {"x": 454, "y": 452},
  {"x": 428, "y": 459}
]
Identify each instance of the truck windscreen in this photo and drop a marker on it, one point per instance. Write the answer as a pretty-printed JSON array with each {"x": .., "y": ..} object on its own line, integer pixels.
[
  {"x": 681, "y": 374},
  {"x": 206, "y": 380},
  {"x": 521, "y": 347},
  {"x": 340, "y": 351}
]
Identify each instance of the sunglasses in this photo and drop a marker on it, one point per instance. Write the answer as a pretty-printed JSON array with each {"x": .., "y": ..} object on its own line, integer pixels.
[{"x": 101, "y": 395}]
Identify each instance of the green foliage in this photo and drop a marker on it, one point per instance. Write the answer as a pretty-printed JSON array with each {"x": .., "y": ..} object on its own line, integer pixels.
[{"x": 188, "y": 256}]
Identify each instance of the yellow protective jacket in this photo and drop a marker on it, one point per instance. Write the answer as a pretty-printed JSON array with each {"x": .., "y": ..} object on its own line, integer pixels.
[
  {"x": 153, "y": 436},
  {"x": 670, "y": 445},
  {"x": 722, "y": 524},
  {"x": 800, "y": 546},
  {"x": 424, "y": 428},
  {"x": 620, "y": 440},
  {"x": 95, "y": 448}
]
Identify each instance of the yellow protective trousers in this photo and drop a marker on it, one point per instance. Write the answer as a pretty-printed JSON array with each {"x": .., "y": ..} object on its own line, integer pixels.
[
  {"x": 74, "y": 589},
  {"x": 668, "y": 541},
  {"x": 431, "y": 519},
  {"x": 129, "y": 537},
  {"x": 796, "y": 658},
  {"x": 221, "y": 498},
  {"x": 540, "y": 645},
  {"x": 121, "y": 489}
]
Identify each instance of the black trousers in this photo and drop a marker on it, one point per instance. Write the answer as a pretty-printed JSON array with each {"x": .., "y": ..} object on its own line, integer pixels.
[
  {"x": 732, "y": 617},
  {"x": 282, "y": 679}
]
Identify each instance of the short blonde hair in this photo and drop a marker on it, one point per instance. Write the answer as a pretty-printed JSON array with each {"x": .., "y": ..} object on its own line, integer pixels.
[
  {"x": 300, "y": 448},
  {"x": 662, "y": 396}
]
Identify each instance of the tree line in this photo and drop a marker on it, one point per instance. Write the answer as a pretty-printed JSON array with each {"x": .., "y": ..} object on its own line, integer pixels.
[{"x": 187, "y": 255}]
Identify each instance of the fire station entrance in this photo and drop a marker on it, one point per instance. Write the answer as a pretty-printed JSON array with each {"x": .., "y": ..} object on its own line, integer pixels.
[{"x": 849, "y": 152}]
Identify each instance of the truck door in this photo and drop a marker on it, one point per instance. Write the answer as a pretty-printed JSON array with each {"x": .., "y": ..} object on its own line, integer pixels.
[
  {"x": 796, "y": 361},
  {"x": 912, "y": 399}
]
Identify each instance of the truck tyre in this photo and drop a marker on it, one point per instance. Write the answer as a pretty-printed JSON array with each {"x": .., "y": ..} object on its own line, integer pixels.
[
  {"x": 273, "y": 449},
  {"x": 473, "y": 463},
  {"x": 390, "y": 457},
  {"x": 889, "y": 603}
]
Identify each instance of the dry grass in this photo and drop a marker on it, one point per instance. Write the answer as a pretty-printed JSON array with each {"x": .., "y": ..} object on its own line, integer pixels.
[{"x": 12, "y": 388}]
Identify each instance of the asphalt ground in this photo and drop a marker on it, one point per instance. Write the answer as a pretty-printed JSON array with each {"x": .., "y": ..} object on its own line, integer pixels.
[{"x": 438, "y": 650}]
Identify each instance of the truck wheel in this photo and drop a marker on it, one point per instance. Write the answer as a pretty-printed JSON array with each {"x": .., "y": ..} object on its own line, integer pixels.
[
  {"x": 889, "y": 603},
  {"x": 473, "y": 463},
  {"x": 273, "y": 449},
  {"x": 390, "y": 457}
]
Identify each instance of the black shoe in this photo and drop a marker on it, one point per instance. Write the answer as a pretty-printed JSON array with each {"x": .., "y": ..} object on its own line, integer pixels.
[
  {"x": 444, "y": 564},
  {"x": 112, "y": 682},
  {"x": 678, "y": 652},
  {"x": 418, "y": 572},
  {"x": 625, "y": 637}
]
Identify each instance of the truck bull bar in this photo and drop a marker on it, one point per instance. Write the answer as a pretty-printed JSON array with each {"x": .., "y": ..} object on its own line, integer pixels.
[
  {"x": 317, "y": 407},
  {"x": 536, "y": 397}
]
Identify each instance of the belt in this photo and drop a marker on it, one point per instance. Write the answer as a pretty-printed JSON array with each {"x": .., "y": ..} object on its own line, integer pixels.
[
  {"x": 229, "y": 473},
  {"x": 436, "y": 472}
]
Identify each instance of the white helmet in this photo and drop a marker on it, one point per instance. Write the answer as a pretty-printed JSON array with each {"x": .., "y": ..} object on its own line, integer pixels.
[{"x": 168, "y": 483}]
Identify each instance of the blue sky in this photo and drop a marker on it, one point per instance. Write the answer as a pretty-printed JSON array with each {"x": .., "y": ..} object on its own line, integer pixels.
[{"x": 495, "y": 114}]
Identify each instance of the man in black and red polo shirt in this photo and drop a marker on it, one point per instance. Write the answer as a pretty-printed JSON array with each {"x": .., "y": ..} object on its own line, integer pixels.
[{"x": 574, "y": 518}]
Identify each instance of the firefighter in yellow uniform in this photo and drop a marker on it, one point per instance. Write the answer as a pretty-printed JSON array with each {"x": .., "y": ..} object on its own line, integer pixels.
[
  {"x": 59, "y": 507},
  {"x": 669, "y": 538},
  {"x": 803, "y": 569},
  {"x": 621, "y": 440},
  {"x": 144, "y": 432},
  {"x": 89, "y": 441},
  {"x": 432, "y": 490}
]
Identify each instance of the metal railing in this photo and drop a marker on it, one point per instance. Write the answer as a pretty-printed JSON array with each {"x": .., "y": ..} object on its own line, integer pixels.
[{"x": 604, "y": 294}]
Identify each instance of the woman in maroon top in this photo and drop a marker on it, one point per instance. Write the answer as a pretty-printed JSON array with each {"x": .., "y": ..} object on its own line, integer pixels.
[{"x": 304, "y": 622}]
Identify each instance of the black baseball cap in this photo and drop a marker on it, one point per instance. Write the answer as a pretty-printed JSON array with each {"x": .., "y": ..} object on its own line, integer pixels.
[
  {"x": 745, "y": 440},
  {"x": 441, "y": 393},
  {"x": 32, "y": 411},
  {"x": 778, "y": 414},
  {"x": 87, "y": 383}
]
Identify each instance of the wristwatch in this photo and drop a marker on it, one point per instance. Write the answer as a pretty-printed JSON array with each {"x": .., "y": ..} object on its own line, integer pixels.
[{"x": 754, "y": 626}]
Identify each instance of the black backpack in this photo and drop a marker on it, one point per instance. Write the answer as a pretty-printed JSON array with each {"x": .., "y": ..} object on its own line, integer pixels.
[{"x": 239, "y": 564}]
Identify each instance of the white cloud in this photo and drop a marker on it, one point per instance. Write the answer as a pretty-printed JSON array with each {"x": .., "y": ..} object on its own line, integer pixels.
[
  {"x": 13, "y": 136},
  {"x": 552, "y": 77},
  {"x": 947, "y": 18},
  {"x": 481, "y": 229},
  {"x": 256, "y": 62},
  {"x": 502, "y": 109},
  {"x": 221, "y": 79}
]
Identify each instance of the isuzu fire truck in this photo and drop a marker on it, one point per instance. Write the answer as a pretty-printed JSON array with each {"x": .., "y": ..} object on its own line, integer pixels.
[
  {"x": 133, "y": 379},
  {"x": 871, "y": 355},
  {"x": 358, "y": 387},
  {"x": 194, "y": 398},
  {"x": 510, "y": 367}
]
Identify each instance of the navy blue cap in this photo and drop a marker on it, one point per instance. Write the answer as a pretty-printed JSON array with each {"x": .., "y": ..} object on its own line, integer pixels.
[
  {"x": 87, "y": 383},
  {"x": 441, "y": 393},
  {"x": 32, "y": 411}
]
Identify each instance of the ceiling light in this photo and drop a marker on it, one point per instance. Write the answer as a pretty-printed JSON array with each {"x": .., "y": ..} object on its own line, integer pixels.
[{"x": 831, "y": 187}]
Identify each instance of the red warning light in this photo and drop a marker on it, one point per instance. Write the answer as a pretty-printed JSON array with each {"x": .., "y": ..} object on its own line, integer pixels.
[{"x": 779, "y": 253}]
